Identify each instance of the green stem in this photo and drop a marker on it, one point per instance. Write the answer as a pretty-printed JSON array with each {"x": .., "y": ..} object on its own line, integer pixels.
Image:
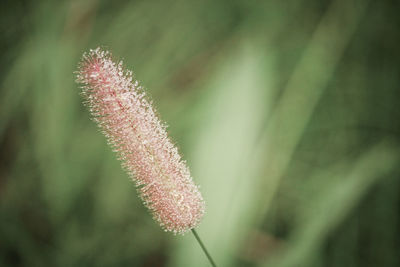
[{"x": 204, "y": 248}]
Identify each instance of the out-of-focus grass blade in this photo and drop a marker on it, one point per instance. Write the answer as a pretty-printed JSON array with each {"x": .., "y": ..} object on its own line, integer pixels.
[
  {"x": 14, "y": 88},
  {"x": 301, "y": 95},
  {"x": 220, "y": 159},
  {"x": 333, "y": 202}
]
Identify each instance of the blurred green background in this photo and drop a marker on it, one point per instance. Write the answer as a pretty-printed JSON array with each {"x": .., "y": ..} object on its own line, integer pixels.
[{"x": 286, "y": 111}]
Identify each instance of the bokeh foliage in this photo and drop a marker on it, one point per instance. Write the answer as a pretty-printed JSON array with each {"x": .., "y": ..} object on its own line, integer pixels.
[{"x": 286, "y": 111}]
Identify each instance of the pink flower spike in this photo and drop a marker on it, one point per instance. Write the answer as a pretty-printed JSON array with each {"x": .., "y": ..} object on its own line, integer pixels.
[{"x": 126, "y": 117}]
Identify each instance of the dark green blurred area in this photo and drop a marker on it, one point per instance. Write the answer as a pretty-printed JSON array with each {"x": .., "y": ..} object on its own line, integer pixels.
[{"x": 286, "y": 111}]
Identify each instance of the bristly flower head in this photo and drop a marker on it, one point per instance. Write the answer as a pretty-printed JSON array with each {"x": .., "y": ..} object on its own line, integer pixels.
[{"x": 120, "y": 107}]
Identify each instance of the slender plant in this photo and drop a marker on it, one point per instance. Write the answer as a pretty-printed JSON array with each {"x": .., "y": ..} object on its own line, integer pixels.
[{"x": 120, "y": 107}]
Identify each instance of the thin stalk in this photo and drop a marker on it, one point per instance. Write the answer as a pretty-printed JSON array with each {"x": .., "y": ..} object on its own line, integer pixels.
[{"x": 204, "y": 248}]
